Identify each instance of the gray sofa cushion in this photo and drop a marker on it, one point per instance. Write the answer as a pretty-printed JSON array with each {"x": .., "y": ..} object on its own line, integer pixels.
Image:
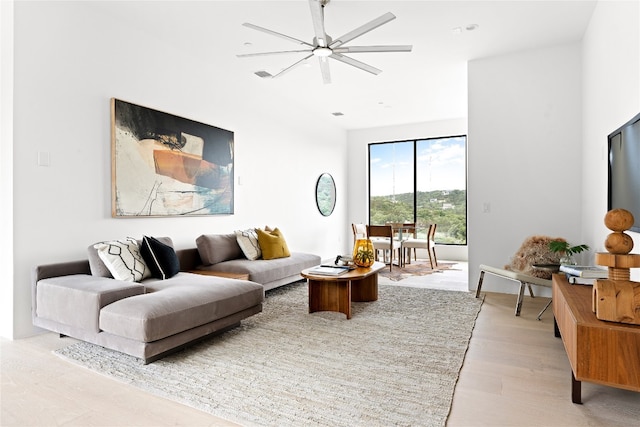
[
  {"x": 215, "y": 248},
  {"x": 265, "y": 271},
  {"x": 76, "y": 300},
  {"x": 177, "y": 304}
]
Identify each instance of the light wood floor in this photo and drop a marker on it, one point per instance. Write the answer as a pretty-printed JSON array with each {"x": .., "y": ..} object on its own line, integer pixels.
[{"x": 515, "y": 374}]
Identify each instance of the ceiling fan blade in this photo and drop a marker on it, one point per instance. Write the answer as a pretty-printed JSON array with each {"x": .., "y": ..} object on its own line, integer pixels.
[
  {"x": 364, "y": 49},
  {"x": 355, "y": 63},
  {"x": 324, "y": 68},
  {"x": 317, "y": 16},
  {"x": 247, "y": 55},
  {"x": 363, "y": 29},
  {"x": 291, "y": 67},
  {"x": 274, "y": 33}
]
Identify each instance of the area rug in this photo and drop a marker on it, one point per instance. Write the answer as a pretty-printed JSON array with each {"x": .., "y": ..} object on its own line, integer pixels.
[
  {"x": 416, "y": 268},
  {"x": 395, "y": 362}
]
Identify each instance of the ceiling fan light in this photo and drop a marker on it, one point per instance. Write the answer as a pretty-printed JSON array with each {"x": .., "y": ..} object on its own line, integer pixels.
[{"x": 322, "y": 52}]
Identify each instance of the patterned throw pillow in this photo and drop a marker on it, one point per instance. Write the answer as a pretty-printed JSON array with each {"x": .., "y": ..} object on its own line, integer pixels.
[
  {"x": 123, "y": 259},
  {"x": 272, "y": 244},
  {"x": 160, "y": 258},
  {"x": 248, "y": 241}
]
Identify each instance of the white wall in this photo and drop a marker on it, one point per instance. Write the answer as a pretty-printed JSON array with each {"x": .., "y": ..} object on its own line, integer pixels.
[
  {"x": 70, "y": 59},
  {"x": 611, "y": 93},
  {"x": 6, "y": 169},
  {"x": 358, "y": 154},
  {"x": 525, "y": 139}
]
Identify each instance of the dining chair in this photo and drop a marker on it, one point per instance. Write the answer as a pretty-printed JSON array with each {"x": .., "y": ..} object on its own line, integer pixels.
[
  {"x": 401, "y": 232},
  {"x": 381, "y": 237},
  {"x": 415, "y": 243},
  {"x": 431, "y": 237},
  {"x": 359, "y": 231}
]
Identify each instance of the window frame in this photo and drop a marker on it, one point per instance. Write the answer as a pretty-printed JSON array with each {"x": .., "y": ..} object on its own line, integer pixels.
[{"x": 415, "y": 142}]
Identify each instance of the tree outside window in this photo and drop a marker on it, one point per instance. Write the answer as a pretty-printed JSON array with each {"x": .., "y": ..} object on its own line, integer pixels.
[{"x": 421, "y": 181}]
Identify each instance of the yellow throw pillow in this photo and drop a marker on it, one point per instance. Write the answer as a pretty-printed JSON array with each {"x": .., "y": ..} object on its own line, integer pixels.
[{"x": 272, "y": 244}]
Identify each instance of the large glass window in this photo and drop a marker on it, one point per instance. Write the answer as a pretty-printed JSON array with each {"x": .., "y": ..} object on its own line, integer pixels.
[{"x": 422, "y": 181}]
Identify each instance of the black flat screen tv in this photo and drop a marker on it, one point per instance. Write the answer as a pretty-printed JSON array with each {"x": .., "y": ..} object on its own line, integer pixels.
[{"x": 624, "y": 169}]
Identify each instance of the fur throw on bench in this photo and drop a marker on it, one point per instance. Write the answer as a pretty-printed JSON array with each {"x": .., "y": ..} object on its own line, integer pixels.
[{"x": 534, "y": 250}]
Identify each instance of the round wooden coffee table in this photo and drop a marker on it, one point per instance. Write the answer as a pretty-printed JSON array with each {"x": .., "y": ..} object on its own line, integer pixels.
[{"x": 335, "y": 293}]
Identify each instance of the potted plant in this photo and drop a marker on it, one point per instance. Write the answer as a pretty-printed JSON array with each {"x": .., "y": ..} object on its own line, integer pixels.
[{"x": 566, "y": 250}]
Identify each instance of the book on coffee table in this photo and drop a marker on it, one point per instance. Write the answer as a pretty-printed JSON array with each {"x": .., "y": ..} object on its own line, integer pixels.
[{"x": 328, "y": 270}]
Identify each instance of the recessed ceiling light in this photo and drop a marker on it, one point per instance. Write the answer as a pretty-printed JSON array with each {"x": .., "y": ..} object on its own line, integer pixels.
[
  {"x": 471, "y": 27},
  {"x": 338, "y": 114},
  {"x": 248, "y": 44}
]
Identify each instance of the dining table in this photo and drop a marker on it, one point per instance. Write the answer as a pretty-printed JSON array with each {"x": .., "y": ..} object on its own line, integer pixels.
[{"x": 402, "y": 231}]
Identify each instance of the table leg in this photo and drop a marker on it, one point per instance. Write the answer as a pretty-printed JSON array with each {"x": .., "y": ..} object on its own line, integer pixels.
[
  {"x": 328, "y": 295},
  {"x": 365, "y": 290},
  {"x": 520, "y": 297},
  {"x": 556, "y": 330},
  {"x": 576, "y": 390}
]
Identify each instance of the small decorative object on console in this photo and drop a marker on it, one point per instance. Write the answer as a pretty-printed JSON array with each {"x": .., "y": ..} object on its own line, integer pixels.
[
  {"x": 618, "y": 299},
  {"x": 586, "y": 271},
  {"x": 566, "y": 250}
]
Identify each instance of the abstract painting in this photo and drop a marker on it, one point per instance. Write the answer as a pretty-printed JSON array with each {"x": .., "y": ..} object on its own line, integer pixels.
[{"x": 165, "y": 165}]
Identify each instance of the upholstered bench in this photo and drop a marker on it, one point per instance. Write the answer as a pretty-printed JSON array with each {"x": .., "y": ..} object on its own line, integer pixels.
[{"x": 522, "y": 279}]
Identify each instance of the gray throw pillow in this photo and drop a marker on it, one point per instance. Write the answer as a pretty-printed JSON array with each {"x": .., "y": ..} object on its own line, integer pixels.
[
  {"x": 97, "y": 267},
  {"x": 215, "y": 248}
]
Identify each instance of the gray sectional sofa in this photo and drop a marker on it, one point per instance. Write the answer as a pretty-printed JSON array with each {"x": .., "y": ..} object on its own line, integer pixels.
[{"x": 153, "y": 317}]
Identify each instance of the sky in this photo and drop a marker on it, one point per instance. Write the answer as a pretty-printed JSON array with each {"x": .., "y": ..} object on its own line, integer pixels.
[{"x": 441, "y": 165}]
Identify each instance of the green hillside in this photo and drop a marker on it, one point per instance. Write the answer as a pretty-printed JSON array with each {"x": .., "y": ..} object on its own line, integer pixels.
[{"x": 447, "y": 209}]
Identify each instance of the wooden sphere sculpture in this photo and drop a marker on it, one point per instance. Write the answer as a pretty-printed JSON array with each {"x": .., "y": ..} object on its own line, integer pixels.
[
  {"x": 618, "y": 245},
  {"x": 617, "y": 299},
  {"x": 618, "y": 221}
]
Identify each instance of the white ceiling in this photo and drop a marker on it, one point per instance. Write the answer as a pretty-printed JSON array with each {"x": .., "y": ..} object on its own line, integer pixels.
[{"x": 430, "y": 83}]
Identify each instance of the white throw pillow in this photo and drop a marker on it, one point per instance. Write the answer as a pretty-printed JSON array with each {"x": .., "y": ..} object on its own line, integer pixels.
[
  {"x": 248, "y": 242},
  {"x": 123, "y": 259}
]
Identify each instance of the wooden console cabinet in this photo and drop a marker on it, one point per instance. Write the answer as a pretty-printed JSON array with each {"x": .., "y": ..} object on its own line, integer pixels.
[{"x": 601, "y": 352}]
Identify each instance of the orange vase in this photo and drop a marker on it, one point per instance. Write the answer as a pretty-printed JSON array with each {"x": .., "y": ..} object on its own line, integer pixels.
[{"x": 363, "y": 253}]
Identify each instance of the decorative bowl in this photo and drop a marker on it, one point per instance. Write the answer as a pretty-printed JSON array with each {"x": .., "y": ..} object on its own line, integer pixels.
[{"x": 551, "y": 268}]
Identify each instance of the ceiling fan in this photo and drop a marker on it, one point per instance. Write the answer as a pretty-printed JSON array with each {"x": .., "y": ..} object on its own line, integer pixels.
[{"x": 324, "y": 47}]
